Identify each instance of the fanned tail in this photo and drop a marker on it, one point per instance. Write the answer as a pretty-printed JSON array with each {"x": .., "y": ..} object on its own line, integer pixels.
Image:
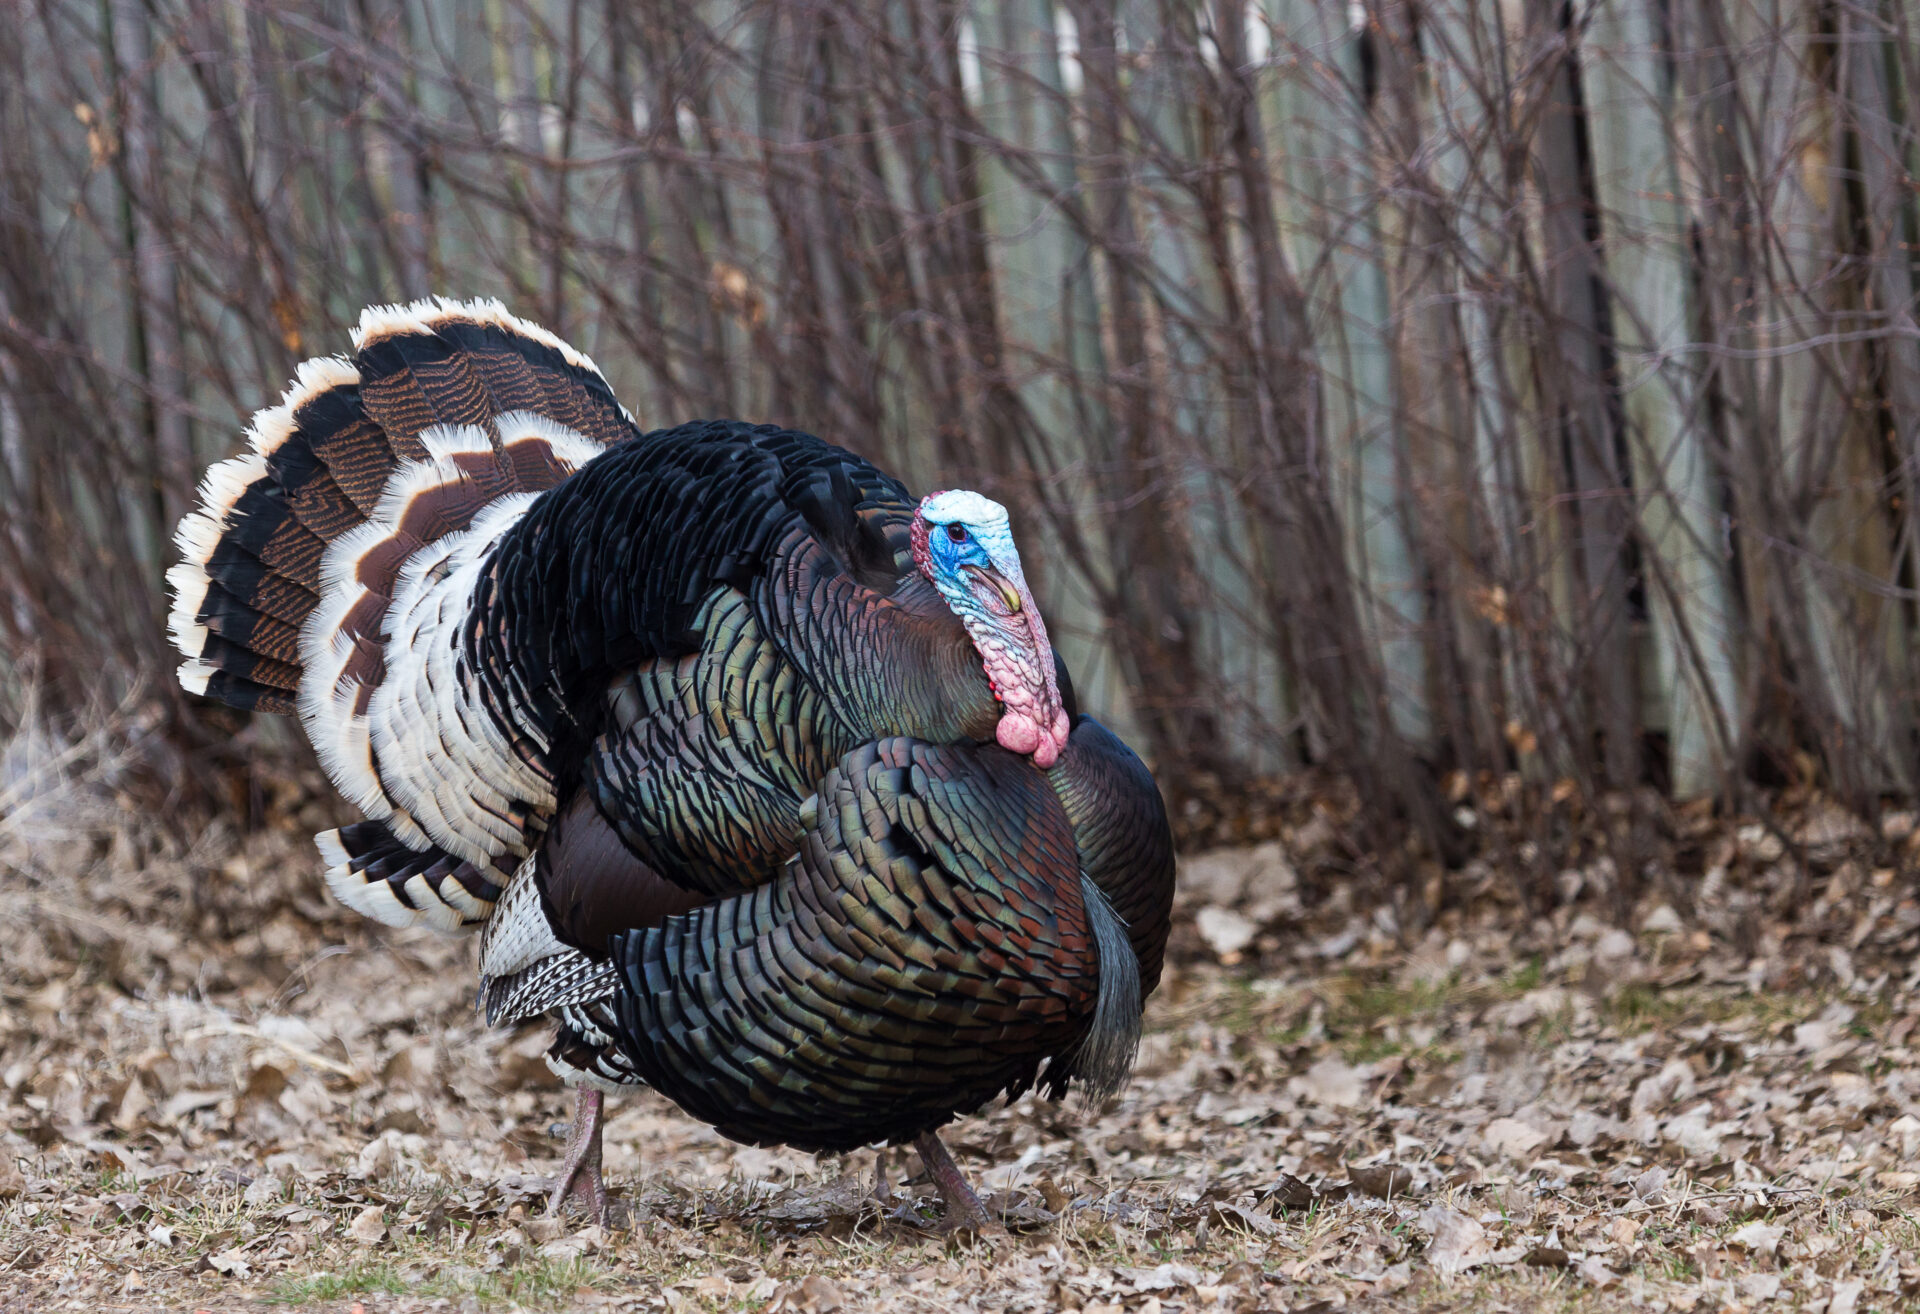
[{"x": 327, "y": 569}]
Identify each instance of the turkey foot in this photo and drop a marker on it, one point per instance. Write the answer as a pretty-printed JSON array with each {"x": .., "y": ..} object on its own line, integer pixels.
[
  {"x": 964, "y": 1209},
  {"x": 580, "y": 1170}
]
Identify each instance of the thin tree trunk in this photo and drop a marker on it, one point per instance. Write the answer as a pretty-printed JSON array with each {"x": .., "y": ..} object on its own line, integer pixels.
[
  {"x": 1575, "y": 386},
  {"x": 156, "y": 335},
  {"x": 1340, "y": 671},
  {"x": 393, "y": 154},
  {"x": 1331, "y": 162},
  {"x": 1646, "y": 244}
]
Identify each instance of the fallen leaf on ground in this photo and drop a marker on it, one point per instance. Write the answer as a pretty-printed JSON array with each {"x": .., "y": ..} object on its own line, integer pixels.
[
  {"x": 1761, "y": 1238},
  {"x": 232, "y": 1262},
  {"x": 1458, "y": 1241},
  {"x": 813, "y": 1294},
  {"x": 1383, "y": 1181},
  {"x": 368, "y": 1226},
  {"x": 1226, "y": 932},
  {"x": 1512, "y": 1138},
  {"x": 1333, "y": 1082}
]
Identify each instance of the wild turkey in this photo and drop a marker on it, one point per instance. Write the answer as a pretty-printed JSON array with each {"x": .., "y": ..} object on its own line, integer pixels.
[
  {"x": 958, "y": 840},
  {"x": 613, "y": 694}
]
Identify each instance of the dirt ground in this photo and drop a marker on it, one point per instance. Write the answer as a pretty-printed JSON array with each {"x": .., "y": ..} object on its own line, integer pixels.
[{"x": 219, "y": 1093}]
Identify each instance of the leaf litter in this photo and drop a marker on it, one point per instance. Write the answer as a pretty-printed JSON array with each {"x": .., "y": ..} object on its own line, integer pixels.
[{"x": 217, "y": 1091}]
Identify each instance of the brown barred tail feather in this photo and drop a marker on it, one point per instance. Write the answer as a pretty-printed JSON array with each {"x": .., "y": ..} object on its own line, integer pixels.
[
  {"x": 317, "y": 576},
  {"x": 320, "y": 463}
]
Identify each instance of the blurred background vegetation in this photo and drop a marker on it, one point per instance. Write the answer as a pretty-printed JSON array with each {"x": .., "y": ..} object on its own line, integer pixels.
[{"x": 1441, "y": 402}]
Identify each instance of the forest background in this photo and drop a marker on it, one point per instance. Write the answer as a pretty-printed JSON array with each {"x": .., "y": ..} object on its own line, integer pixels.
[{"x": 1516, "y": 401}]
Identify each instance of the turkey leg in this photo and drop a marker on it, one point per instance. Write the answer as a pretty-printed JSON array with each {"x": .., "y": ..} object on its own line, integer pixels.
[
  {"x": 580, "y": 1170},
  {"x": 963, "y": 1206}
]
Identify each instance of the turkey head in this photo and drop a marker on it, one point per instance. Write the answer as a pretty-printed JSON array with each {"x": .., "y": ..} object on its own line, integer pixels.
[{"x": 963, "y": 544}]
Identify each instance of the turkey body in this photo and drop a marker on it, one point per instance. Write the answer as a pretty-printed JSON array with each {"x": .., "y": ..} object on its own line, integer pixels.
[
  {"x": 698, "y": 724},
  {"x": 931, "y": 946}
]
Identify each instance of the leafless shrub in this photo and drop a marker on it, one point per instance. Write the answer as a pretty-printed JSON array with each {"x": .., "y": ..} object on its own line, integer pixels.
[{"x": 1402, "y": 389}]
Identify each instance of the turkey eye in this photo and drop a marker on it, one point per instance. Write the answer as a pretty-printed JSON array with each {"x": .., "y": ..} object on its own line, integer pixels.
[{"x": 958, "y": 533}]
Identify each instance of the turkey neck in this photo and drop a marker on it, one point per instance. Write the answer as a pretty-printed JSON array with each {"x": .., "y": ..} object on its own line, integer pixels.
[{"x": 932, "y": 685}]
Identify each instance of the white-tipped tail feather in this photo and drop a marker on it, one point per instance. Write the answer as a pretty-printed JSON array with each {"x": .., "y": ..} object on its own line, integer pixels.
[
  {"x": 272, "y": 427},
  {"x": 372, "y": 899},
  {"x": 569, "y": 449},
  {"x": 377, "y": 322},
  {"x": 379, "y": 877},
  {"x": 197, "y": 536},
  {"x": 405, "y": 736}
]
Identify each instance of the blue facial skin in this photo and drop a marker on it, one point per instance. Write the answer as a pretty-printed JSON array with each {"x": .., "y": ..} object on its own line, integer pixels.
[
  {"x": 971, "y": 558},
  {"x": 950, "y": 554},
  {"x": 986, "y": 548}
]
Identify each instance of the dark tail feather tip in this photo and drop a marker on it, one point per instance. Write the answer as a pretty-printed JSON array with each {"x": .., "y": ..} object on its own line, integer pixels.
[{"x": 1105, "y": 1056}]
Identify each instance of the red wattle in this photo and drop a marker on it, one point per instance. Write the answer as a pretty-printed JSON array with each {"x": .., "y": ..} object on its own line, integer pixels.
[{"x": 1017, "y": 733}]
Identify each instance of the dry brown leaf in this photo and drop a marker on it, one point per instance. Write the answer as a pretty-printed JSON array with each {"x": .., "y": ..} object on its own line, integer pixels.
[
  {"x": 369, "y": 1226},
  {"x": 232, "y": 1262},
  {"x": 1226, "y": 931},
  {"x": 1385, "y": 1181},
  {"x": 1332, "y": 1081},
  {"x": 181, "y": 1104},
  {"x": 1761, "y": 1238},
  {"x": 1162, "y": 1277},
  {"x": 1512, "y": 1139},
  {"x": 813, "y": 1294},
  {"x": 1286, "y": 1192},
  {"x": 1227, "y": 1214},
  {"x": 265, "y": 1082},
  {"x": 1595, "y": 1271},
  {"x": 1458, "y": 1243}
]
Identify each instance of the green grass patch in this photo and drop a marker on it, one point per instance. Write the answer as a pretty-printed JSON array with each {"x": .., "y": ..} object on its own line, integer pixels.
[
  {"x": 373, "y": 1278},
  {"x": 1641, "y": 1007},
  {"x": 537, "y": 1283}
]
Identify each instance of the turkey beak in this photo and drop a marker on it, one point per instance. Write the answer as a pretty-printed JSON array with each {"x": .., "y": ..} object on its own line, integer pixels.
[
  {"x": 1004, "y": 576},
  {"x": 1012, "y": 596}
]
